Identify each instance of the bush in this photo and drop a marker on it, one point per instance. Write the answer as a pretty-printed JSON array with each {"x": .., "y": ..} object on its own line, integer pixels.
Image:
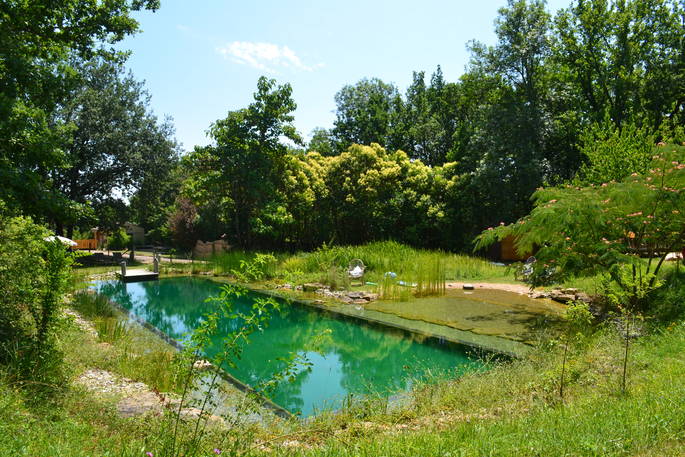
[
  {"x": 34, "y": 274},
  {"x": 118, "y": 240}
]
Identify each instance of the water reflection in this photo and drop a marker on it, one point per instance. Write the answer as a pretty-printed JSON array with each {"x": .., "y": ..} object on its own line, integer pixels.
[{"x": 357, "y": 359}]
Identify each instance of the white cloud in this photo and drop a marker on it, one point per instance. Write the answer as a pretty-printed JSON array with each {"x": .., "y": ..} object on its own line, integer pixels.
[{"x": 264, "y": 56}]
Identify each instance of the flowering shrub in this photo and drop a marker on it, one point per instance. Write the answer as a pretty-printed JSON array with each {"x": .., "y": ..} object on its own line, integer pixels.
[{"x": 607, "y": 228}]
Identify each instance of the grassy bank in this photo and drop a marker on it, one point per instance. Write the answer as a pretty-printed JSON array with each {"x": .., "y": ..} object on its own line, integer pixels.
[
  {"x": 510, "y": 409},
  {"x": 329, "y": 265}
]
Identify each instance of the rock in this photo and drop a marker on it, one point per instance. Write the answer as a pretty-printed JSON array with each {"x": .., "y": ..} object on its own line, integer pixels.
[
  {"x": 585, "y": 298},
  {"x": 139, "y": 404},
  {"x": 202, "y": 364},
  {"x": 468, "y": 287},
  {"x": 359, "y": 301},
  {"x": 355, "y": 295},
  {"x": 105, "y": 382},
  {"x": 569, "y": 291},
  {"x": 562, "y": 298},
  {"x": 319, "y": 302},
  {"x": 538, "y": 295},
  {"x": 371, "y": 297},
  {"x": 313, "y": 287}
]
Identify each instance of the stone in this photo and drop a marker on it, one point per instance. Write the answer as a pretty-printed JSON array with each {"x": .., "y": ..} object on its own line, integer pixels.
[
  {"x": 202, "y": 364},
  {"x": 585, "y": 298},
  {"x": 313, "y": 287},
  {"x": 319, "y": 302},
  {"x": 569, "y": 291},
  {"x": 468, "y": 287},
  {"x": 355, "y": 295},
  {"x": 359, "y": 301}
]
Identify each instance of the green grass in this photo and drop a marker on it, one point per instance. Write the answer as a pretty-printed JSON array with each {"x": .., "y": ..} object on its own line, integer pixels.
[
  {"x": 511, "y": 409},
  {"x": 131, "y": 351},
  {"x": 329, "y": 265}
]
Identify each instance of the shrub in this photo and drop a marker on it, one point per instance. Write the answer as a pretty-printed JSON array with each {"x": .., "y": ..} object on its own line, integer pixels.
[
  {"x": 34, "y": 274},
  {"x": 118, "y": 240}
]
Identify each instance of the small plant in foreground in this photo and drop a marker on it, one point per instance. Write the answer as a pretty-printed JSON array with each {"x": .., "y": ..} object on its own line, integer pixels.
[{"x": 182, "y": 437}]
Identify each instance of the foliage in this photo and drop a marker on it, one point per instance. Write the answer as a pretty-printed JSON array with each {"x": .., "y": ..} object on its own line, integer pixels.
[
  {"x": 608, "y": 228},
  {"x": 34, "y": 275},
  {"x": 118, "y": 240},
  {"x": 115, "y": 142},
  {"x": 243, "y": 169},
  {"x": 365, "y": 113},
  {"x": 614, "y": 154},
  {"x": 259, "y": 268},
  {"x": 39, "y": 41}
]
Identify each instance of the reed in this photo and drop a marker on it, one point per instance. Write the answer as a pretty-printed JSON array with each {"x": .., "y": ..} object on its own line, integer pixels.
[{"x": 111, "y": 329}]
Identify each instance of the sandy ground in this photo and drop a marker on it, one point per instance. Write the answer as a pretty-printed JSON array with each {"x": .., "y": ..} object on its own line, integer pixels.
[{"x": 517, "y": 288}]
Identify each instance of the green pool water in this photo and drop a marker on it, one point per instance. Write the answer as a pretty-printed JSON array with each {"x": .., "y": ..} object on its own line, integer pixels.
[{"x": 355, "y": 359}]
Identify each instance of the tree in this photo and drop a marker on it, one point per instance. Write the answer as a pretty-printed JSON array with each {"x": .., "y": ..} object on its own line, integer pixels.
[
  {"x": 322, "y": 142},
  {"x": 116, "y": 143},
  {"x": 624, "y": 59},
  {"x": 365, "y": 113},
  {"x": 606, "y": 229},
  {"x": 37, "y": 41},
  {"x": 244, "y": 166}
]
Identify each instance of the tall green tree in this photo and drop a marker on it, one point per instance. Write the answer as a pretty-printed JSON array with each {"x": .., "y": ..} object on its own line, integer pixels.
[
  {"x": 37, "y": 41},
  {"x": 244, "y": 166},
  {"x": 366, "y": 113},
  {"x": 117, "y": 145}
]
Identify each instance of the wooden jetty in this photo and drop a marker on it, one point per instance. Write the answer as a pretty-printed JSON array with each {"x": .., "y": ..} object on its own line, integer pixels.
[{"x": 138, "y": 275}]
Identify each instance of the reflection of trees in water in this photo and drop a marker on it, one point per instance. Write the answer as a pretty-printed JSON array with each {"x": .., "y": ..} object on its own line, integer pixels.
[{"x": 368, "y": 357}]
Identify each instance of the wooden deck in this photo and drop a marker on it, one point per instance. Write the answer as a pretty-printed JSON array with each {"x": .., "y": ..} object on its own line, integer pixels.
[{"x": 139, "y": 275}]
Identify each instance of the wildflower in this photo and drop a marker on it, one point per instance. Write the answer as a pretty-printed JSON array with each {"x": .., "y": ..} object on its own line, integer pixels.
[
  {"x": 217, "y": 451},
  {"x": 501, "y": 223},
  {"x": 639, "y": 213},
  {"x": 631, "y": 235},
  {"x": 149, "y": 454},
  {"x": 553, "y": 201},
  {"x": 568, "y": 238}
]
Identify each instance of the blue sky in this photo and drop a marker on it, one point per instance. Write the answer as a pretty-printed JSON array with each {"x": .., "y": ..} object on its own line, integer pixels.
[{"x": 202, "y": 59}]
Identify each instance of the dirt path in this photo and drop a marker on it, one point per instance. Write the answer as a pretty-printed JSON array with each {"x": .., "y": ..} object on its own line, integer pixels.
[{"x": 517, "y": 288}]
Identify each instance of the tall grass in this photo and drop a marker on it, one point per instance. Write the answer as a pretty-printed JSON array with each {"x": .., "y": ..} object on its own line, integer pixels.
[
  {"x": 430, "y": 277},
  {"x": 380, "y": 257},
  {"x": 426, "y": 269}
]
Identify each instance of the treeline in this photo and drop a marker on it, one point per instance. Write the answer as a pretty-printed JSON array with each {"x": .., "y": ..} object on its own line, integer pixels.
[
  {"x": 437, "y": 164},
  {"x": 529, "y": 111}
]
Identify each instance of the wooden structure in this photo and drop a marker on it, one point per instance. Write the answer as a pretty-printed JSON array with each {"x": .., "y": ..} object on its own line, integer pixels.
[
  {"x": 508, "y": 251},
  {"x": 139, "y": 275},
  {"x": 90, "y": 244}
]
